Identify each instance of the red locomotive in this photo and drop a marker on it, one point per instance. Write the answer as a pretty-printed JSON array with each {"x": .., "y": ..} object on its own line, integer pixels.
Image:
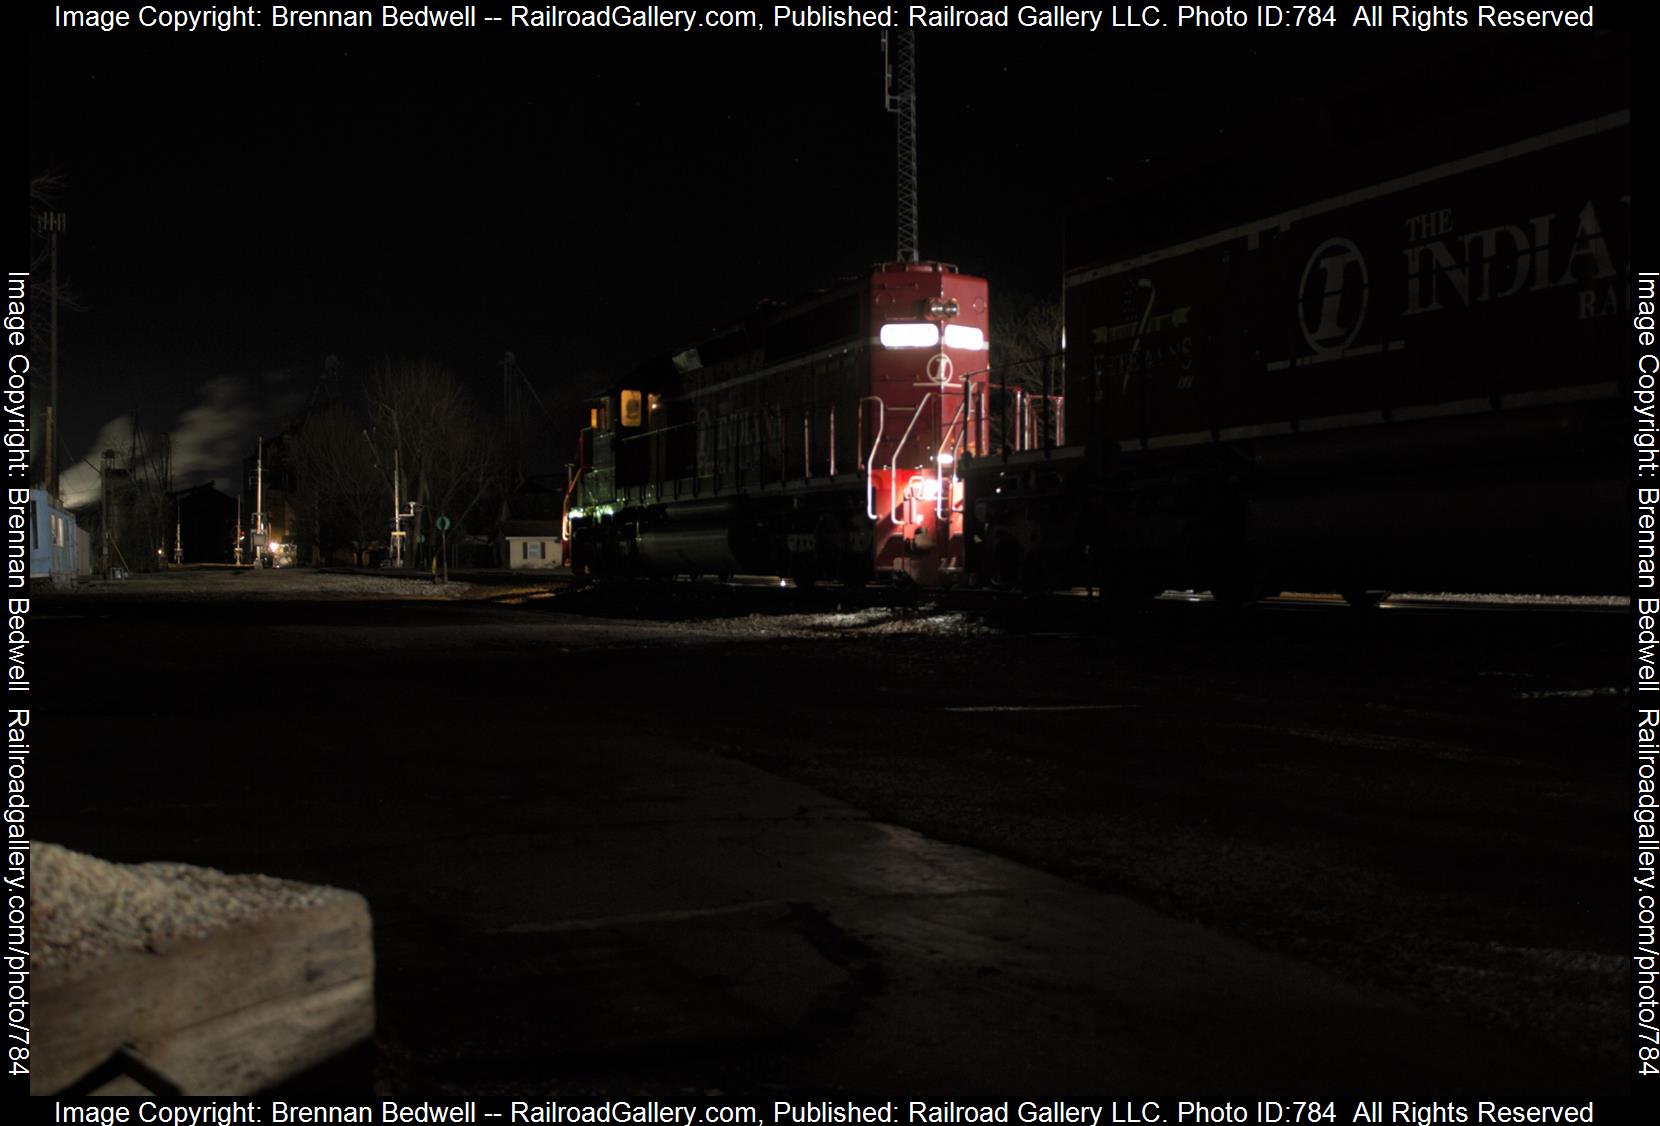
[{"x": 815, "y": 441}]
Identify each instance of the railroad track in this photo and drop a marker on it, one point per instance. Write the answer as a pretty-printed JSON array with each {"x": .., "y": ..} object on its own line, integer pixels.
[{"x": 767, "y": 596}]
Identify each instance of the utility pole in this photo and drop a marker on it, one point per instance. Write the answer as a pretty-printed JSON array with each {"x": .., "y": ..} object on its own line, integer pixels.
[
  {"x": 106, "y": 512},
  {"x": 512, "y": 401},
  {"x": 398, "y": 515},
  {"x": 900, "y": 99},
  {"x": 162, "y": 486},
  {"x": 52, "y": 224},
  {"x": 397, "y": 511},
  {"x": 394, "y": 548},
  {"x": 237, "y": 554},
  {"x": 258, "y": 544},
  {"x": 178, "y": 532}
]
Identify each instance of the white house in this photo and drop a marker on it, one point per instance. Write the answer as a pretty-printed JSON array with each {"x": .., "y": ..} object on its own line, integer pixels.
[{"x": 534, "y": 545}]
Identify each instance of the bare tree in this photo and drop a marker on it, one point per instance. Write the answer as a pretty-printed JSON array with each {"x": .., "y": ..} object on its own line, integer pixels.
[
  {"x": 150, "y": 472},
  {"x": 336, "y": 475},
  {"x": 464, "y": 471},
  {"x": 450, "y": 459},
  {"x": 1025, "y": 336},
  {"x": 1026, "y": 358}
]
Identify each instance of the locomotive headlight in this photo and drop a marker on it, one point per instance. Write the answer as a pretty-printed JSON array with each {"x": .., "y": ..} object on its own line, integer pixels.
[
  {"x": 900, "y": 334},
  {"x": 966, "y": 337},
  {"x": 946, "y": 457},
  {"x": 925, "y": 488}
]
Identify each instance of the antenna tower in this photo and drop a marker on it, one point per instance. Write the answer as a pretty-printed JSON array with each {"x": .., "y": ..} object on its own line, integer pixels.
[{"x": 899, "y": 57}]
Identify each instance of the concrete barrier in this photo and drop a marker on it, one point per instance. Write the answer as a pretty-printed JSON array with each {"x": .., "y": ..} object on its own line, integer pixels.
[{"x": 222, "y": 984}]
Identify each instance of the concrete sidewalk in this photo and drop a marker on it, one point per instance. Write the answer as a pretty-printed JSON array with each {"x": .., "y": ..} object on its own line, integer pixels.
[{"x": 678, "y": 905}]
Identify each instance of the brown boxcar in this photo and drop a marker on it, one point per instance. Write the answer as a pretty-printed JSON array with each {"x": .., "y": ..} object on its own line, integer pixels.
[{"x": 1411, "y": 380}]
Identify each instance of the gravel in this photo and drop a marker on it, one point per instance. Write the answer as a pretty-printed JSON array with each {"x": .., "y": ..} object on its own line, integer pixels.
[
  {"x": 874, "y": 622},
  {"x": 82, "y": 908},
  {"x": 237, "y": 584}
]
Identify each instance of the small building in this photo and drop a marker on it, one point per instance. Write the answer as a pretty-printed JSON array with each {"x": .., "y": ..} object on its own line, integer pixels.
[
  {"x": 533, "y": 544},
  {"x": 204, "y": 525},
  {"x": 55, "y": 545}
]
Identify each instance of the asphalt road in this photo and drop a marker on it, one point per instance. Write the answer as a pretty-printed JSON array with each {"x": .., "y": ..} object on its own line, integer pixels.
[{"x": 671, "y": 840}]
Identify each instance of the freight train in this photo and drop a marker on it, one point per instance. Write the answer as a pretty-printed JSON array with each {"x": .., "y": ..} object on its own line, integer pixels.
[{"x": 1385, "y": 367}]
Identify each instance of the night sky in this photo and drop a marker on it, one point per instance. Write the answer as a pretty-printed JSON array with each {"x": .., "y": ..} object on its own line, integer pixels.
[{"x": 243, "y": 205}]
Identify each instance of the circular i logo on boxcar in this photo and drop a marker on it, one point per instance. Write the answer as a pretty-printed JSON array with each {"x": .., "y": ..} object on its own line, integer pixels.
[{"x": 1331, "y": 301}]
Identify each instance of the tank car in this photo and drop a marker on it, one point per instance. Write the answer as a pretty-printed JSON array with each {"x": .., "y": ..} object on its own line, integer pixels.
[{"x": 814, "y": 441}]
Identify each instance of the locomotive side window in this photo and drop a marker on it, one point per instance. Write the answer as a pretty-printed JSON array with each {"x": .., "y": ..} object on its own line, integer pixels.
[{"x": 632, "y": 415}]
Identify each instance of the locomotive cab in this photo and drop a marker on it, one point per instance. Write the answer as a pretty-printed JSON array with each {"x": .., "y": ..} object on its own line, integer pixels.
[{"x": 930, "y": 337}]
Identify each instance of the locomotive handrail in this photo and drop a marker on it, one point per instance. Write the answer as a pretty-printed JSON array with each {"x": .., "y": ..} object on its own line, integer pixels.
[
  {"x": 942, "y": 500},
  {"x": 870, "y": 462},
  {"x": 565, "y": 509},
  {"x": 969, "y": 394},
  {"x": 1053, "y": 413},
  {"x": 893, "y": 466},
  {"x": 945, "y": 438}
]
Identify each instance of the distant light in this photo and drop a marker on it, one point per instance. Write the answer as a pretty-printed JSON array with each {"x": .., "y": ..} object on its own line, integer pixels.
[
  {"x": 966, "y": 337},
  {"x": 910, "y": 335}
]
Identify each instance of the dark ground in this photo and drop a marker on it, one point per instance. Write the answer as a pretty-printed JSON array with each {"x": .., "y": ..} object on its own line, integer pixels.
[{"x": 1419, "y": 808}]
